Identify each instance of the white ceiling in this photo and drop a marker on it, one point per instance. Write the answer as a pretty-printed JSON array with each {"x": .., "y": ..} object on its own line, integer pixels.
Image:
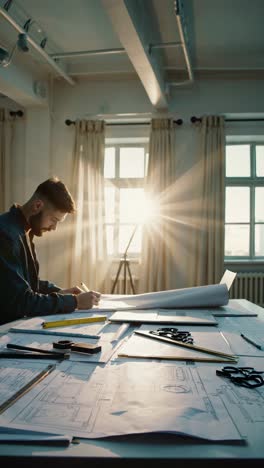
[{"x": 224, "y": 37}]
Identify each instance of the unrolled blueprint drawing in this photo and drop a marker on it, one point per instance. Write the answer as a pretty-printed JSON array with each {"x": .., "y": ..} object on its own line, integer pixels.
[
  {"x": 14, "y": 375},
  {"x": 245, "y": 406},
  {"x": 127, "y": 398}
]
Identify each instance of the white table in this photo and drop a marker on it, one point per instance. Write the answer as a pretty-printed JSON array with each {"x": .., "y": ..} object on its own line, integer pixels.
[{"x": 156, "y": 450}]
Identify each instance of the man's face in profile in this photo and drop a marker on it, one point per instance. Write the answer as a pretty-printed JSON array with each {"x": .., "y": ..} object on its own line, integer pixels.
[{"x": 46, "y": 220}]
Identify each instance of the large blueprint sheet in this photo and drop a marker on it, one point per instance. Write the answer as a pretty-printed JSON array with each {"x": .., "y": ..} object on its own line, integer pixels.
[
  {"x": 127, "y": 398},
  {"x": 213, "y": 295}
]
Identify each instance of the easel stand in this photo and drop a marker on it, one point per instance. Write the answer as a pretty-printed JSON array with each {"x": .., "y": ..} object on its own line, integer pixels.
[{"x": 124, "y": 264}]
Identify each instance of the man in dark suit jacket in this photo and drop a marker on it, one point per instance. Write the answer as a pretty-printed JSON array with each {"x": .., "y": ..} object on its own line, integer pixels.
[{"x": 22, "y": 293}]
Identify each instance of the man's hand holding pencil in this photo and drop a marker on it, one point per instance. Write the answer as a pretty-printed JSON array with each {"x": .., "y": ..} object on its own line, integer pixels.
[{"x": 87, "y": 299}]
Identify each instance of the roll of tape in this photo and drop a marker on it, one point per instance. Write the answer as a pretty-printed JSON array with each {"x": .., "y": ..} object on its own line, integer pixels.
[{"x": 63, "y": 345}]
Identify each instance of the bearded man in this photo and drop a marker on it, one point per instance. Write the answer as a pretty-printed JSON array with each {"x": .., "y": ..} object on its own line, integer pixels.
[{"x": 22, "y": 293}]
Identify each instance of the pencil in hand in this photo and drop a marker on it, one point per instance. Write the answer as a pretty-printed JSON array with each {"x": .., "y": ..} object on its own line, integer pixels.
[{"x": 85, "y": 287}]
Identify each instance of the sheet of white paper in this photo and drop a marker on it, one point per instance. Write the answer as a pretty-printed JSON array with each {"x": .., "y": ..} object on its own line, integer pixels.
[
  {"x": 233, "y": 309},
  {"x": 137, "y": 316},
  {"x": 110, "y": 305},
  {"x": 140, "y": 346},
  {"x": 251, "y": 327},
  {"x": 201, "y": 296},
  {"x": 124, "y": 399},
  {"x": 164, "y": 316},
  {"x": 228, "y": 278}
]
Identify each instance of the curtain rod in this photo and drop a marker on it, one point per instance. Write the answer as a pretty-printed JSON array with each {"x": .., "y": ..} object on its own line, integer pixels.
[
  {"x": 18, "y": 113},
  {"x": 194, "y": 119},
  {"x": 69, "y": 122}
]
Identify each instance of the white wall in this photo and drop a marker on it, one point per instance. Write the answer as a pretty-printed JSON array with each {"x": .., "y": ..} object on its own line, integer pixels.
[{"x": 49, "y": 142}]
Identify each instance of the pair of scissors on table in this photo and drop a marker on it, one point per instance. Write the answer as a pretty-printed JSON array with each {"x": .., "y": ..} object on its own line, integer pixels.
[
  {"x": 174, "y": 334},
  {"x": 243, "y": 376}
]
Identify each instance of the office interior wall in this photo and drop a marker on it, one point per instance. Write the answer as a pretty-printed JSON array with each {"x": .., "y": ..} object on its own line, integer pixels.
[{"x": 48, "y": 143}]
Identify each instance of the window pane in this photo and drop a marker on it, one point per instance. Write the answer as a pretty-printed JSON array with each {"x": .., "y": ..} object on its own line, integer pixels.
[
  {"x": 132, "y": 162},
  {"x": 237, "y": 161},
  {"x": 237, "y": 204},
  {"x": 260, "y": 160},
  {"x": 125, "y": 233},
  {"x": 131, "y": 205},
  {"x": 259, "y": 240},
  {"x": 109, "y": 204},
  {"x": 109, "y": 163},
  {"x": 259, "y": 204},
  {"x": 237, "y": 240},
  {"x": 110, "y": 239}
]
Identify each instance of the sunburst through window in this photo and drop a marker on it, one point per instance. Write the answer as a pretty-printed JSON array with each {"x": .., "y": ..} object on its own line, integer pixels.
[{"x": 125, "y": 202}]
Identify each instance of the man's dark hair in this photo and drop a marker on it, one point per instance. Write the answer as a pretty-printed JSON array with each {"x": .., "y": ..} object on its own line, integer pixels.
[{"x": 57, "y": 194}]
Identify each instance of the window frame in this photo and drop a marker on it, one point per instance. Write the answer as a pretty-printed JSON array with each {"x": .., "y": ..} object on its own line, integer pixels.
[
  {"x": 120, "y": 183},
  {"x": 252, "y": 181}
]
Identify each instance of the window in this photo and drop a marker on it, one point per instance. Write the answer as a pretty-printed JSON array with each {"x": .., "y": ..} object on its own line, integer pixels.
[
  {"x": 124, "y": 172},
  {"x": 244, "y": 214}
]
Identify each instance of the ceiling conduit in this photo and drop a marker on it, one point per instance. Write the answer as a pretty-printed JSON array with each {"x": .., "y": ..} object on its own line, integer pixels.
[
  {"x": 38, "y": 48},
  {"x": 178, "y": 10}
]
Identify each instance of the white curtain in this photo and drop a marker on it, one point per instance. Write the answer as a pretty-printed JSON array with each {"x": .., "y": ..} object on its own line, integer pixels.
[
  {"x": 6, "y": 139},
  {"x": 158, "y": 264},
  {"x": 209, "y": 245},
  {"x": 88, "y": 247}
]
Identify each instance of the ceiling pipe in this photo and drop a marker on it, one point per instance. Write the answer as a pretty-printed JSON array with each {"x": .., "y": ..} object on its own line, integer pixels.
[
  {"x": 163, "y": 45},
  {"x": 178, "y": 10},
  {"x": 38, "y": 48},
  {"x": 85, "y": 53}
]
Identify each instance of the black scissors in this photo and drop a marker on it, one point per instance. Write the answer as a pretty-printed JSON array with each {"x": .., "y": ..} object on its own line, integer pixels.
[
  {"x": 174, "y": 334},
  {"x": 244, "y": 376}
]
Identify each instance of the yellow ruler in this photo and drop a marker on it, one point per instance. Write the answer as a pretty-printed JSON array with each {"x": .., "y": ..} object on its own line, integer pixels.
[{"x": 76, "y": 321}]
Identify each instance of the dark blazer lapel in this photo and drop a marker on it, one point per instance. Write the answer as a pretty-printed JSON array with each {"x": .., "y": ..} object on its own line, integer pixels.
[{"x": 30, "y": 262}]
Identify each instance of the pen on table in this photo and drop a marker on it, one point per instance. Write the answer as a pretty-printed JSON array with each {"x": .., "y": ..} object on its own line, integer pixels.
[
  {"x": 21, "y": 355},
  {"x": 30, "y": 348},
  {"x": 85, "y": 287},
  {"x": 249, "y": 340}
]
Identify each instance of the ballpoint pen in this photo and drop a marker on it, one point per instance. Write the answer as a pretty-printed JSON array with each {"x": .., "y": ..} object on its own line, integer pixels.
[{"x": 249, "y": 340}]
